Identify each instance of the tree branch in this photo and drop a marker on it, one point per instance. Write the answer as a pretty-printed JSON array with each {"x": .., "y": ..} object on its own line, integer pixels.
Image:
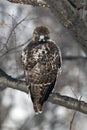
[
  {"x": 8, "y": 81},
  {"x": 55, "y": 98},
  {"x": 41, "y": 3},
  {"x": 68, "y": 102},
  {"x": 69, "y": 15}
]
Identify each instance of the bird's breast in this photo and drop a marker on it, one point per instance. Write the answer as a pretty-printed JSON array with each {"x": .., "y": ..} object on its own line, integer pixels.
[
  {"x": 40, "y": 52},
  {"x": 43, "y": 66}
]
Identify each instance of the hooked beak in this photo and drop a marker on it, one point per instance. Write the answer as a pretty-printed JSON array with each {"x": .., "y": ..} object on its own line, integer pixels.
[{"x": 41, "y": 38}]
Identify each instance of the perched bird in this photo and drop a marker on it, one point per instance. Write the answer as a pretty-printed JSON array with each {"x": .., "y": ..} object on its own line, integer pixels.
[{"x": 41, "y": 60}]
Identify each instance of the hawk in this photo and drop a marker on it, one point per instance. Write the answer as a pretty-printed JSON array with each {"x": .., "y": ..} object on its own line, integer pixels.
[{"x": 42, "y": 61}]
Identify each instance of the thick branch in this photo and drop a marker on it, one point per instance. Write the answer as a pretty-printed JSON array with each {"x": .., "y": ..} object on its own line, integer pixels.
[
  {"x": 8, "y": 81},
  {"x": 68, "y": 102}
]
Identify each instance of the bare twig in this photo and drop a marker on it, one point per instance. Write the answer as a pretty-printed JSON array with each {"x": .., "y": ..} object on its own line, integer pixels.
[
  {"x": 15, "y": 48},
  {"x": 74, "y": 58},
  {"x": 11, "y": 32},
  {"x": 71, "y": 123},
  {"x": 81, "y": 5},
  {"x": 16, "y": 27}
]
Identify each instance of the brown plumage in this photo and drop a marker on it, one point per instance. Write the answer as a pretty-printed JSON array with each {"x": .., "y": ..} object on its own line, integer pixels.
[{"x": 42, "y": 60}]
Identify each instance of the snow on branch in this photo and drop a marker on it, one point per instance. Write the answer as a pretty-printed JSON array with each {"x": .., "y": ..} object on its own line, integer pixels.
[
  {"x": 41, "y": 3},
  {"x": 55, "y": 98}
]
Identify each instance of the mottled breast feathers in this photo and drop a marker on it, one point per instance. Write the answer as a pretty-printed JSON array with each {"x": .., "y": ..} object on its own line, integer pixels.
[{"x": 42, "y": 62}]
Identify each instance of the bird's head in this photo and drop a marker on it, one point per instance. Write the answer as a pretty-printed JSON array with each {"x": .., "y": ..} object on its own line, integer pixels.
[{"x": 41, "y": 34}]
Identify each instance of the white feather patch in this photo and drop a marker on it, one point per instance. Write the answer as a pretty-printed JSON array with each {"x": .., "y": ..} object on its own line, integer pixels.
[
  {"x": 24, "y": 57},
  {"x": 39, "y": 53}
]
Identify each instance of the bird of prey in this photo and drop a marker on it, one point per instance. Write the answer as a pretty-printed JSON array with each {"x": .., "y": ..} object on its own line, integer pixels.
[{"x": 41, "y": 61}]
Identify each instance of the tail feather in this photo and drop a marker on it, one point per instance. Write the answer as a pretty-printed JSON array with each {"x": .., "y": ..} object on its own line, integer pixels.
[{"x": 38, "y": 108}]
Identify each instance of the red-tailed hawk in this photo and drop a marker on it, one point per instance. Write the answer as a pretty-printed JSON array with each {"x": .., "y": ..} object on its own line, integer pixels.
[{"x": 42, "y": 60}]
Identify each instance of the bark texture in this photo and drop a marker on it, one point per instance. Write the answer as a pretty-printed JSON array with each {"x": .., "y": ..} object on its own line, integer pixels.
[{"x": 68, "y": 12}]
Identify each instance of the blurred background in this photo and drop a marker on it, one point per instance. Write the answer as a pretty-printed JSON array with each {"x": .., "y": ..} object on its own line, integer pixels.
[{"x": 17, "y": 23}]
